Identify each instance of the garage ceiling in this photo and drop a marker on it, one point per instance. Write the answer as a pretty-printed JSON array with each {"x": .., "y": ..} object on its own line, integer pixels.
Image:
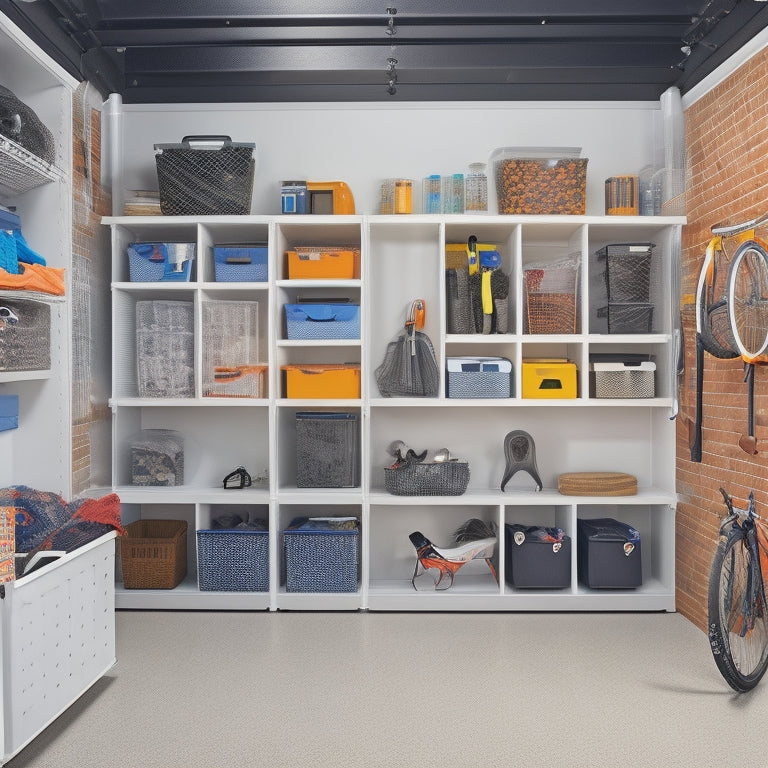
[{"x": 179, "y": 51}]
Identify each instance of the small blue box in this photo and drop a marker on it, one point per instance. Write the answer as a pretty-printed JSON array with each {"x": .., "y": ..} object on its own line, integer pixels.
[
  {"x": 240, "y": 263},
  {"x": 160, "y": 262},
  {"x": 9, "y": 412},
  {"x": 322, "y": 321}
]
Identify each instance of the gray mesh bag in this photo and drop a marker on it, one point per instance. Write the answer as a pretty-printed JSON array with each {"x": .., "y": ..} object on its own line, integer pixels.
[{"x": 409, "y": 368}]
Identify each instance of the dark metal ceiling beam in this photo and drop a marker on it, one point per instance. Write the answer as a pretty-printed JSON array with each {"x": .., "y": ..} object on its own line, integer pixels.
[
  {"x": 119, "y": 13},
  {"x": 224, "y": 60},
  {"x": 287, "y": 93},
  {"x": 647, "y": 33}
]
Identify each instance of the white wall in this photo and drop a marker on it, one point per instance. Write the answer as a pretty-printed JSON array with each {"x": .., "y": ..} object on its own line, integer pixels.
[{"x": 365, "y": 143}]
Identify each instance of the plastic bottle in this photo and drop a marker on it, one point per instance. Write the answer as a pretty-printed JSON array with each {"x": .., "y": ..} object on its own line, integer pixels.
[
  {"x": 476, "y": 188},
  {"x": 431, "y": 194},
  {"x": 403, "y": 196}
]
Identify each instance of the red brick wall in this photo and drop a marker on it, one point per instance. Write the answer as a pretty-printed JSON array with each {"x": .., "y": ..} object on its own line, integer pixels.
[
  {"x": 727, "y": 140},
  {"x": 90, "y": 302}
]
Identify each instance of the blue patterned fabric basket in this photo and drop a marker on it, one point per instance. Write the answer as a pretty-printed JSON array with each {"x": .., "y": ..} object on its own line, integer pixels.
[
  {"x": 240, "y": 263},
  {"x": 233, "y": 560},
  {"x": 164, "y": 262},
  {"x": 322, "y": 321},
  {"x": 320, "y": 560}
]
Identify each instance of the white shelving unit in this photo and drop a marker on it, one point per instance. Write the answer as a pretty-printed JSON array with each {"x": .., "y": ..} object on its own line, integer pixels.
[
  {"x": 44, "y": 669},
  {"x": 42, "y": 196},
  {"x": 403, "y": 259}
]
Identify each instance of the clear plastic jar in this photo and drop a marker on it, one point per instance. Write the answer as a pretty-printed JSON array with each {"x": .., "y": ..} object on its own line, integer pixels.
[
  {"x": 453, "y": 193},
  {"x": 476, "y": 188}
]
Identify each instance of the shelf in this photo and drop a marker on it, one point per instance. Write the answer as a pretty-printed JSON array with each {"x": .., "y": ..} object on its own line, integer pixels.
[
  {"x": 8, "y": 376},
  {"x": 185, "y": 402},
  {"x": 520, "y": 497},
  {"x": 478, "y": 594},
  {"x": 319, "y": 601},
  {"x": 187, "y": 494},
  {"x": 522, "y": 402},
  {"x": 188, "y": 597}
]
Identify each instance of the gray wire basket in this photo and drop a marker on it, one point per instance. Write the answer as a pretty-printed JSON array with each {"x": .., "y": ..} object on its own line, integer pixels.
[
  {"x": 25, "y": 335},
  {"x": 446, "y": 478},
  {"x": 202, "y": 180}
]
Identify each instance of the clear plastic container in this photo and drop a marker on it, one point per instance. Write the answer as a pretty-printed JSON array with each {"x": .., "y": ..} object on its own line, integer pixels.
[
  {"x": 476, "y": 188},
  {"x": 431, "y": 194},
  {"x": 453, "y": 193}
]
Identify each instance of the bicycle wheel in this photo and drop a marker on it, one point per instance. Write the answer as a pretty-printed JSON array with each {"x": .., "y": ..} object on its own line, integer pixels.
[
  {"x": 738, "y": 624},
  {"x": 748, "y": 300}
]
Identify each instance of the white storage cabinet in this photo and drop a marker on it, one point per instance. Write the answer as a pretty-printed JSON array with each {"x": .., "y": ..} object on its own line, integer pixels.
[
  {"x": 58, "y": 628},
  {"x": 581, "y": 434}
]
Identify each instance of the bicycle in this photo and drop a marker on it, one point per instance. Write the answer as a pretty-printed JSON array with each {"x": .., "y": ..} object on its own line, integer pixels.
[
  {"x": 737, "y": 608},
  {"x": 732, "y": 314}
]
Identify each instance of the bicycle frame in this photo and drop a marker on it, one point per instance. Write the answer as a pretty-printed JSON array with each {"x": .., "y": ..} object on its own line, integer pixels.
[{"x": 754, "y": 530}]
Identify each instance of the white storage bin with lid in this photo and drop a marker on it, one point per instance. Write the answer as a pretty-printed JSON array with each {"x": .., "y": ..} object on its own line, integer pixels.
[{"x": 622, "y": 378}]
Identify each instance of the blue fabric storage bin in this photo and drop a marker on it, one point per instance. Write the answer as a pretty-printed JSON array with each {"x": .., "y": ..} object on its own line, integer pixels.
[
  {"x": 322, "y": 321},
  {"x": 233, "y": 560},
  {"x": 320, "y": 560},
  {"x": 160, "y": 262},
  {"x": 240, "y": 263},
  {"x": 9, "y": 412}
]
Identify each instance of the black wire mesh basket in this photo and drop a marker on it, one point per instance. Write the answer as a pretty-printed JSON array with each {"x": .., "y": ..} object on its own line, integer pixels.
[
  {"x": 448, "y": 478},
  {"x": 205, "y": 175}
]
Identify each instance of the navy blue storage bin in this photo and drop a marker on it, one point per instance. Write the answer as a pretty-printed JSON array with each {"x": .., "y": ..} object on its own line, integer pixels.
[
  {"x": 240, "y": 263},
  {"x": 609, "y": 555},
  {"x": 320, "y": 559},
  {"x": 322, "y": 321},
  {"x": 533, "y": 563},
  {"x": 233, "y": 560}
]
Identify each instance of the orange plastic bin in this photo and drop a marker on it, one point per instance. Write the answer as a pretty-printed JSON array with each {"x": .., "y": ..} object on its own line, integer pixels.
[{"x": 322, "y": 381}]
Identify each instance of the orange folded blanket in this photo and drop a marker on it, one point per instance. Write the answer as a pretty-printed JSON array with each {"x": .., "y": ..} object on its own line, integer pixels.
[{"x": 35, "y": 277}]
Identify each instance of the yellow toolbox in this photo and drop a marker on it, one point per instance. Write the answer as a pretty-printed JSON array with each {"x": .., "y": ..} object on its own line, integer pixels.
[
  {"x": 322, "y": 382},
  {"x": 549, "y": 378}
]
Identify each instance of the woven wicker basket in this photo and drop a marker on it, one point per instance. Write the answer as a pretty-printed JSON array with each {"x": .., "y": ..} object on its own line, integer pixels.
[
  {"x": 597, "y": 484},
  {"x": 448, "y": 478},
  {"x": 154, "y": 554}
]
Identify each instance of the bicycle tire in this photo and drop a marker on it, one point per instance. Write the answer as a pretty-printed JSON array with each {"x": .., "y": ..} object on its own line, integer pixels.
[
  {"x": 712, "y": 318},
  {"x": 748, "y": 300},
  {"x": 742, "y": 661}
]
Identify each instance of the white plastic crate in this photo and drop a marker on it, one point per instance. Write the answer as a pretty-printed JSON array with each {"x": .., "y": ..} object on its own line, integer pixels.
[{"x": 58, "y": 638}]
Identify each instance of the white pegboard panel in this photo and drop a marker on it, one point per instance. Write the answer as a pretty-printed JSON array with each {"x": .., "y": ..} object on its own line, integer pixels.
[{"x": 58, "y": 638}]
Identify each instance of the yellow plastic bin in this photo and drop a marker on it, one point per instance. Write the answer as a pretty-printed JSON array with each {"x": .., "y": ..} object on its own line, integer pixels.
[{"x": 549, "y": 378}]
